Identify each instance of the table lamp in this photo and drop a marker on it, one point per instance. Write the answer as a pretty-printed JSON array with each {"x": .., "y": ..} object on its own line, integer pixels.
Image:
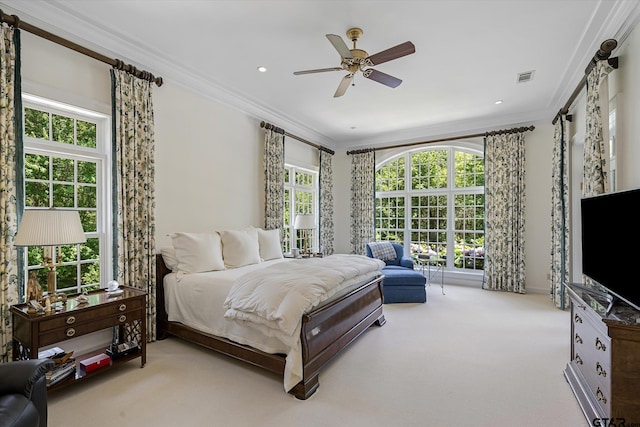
[
  {"x": 49, "y": 228},
  {"x": 305, "y": 222}
]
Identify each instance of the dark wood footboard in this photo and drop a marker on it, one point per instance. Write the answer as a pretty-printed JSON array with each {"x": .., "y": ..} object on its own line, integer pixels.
[{"x": 325, "y": 331}]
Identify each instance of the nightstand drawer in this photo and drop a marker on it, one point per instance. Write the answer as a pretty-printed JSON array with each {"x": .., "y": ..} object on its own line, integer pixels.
[
  {"x": 79, "y": 316},
  {"x": 97, "y": 324}
]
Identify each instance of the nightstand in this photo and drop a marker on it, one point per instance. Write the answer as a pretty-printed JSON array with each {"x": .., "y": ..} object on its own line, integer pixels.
[{"x": 127, "y": 312}]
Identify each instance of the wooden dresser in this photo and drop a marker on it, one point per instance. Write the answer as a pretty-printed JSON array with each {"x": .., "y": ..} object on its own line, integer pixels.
[{"x": 604, "y": 371}]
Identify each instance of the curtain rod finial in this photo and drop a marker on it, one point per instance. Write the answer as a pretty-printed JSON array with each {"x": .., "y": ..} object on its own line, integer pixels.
[{"x": 608, "y": 45}]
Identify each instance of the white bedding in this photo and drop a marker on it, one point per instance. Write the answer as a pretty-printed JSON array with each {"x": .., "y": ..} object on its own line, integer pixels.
[{"x": 197, "y": 301}]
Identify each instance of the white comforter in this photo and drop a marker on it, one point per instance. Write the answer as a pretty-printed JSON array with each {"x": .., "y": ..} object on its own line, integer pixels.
[
  {"x": 273, "y": 299},
  {"x": 197, "y": 301},
  {"x": 278, "y": 296}
]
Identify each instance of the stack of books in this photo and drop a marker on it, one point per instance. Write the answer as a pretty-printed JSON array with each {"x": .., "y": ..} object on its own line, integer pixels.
[{"x": 64, "y": 367}]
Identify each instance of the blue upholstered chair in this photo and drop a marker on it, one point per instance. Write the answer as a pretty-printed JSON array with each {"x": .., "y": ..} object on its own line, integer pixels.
[{"x": 401, "y": 282}]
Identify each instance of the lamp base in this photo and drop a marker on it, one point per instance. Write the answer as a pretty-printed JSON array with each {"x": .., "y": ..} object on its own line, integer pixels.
[{"x": 51, "y": 283}]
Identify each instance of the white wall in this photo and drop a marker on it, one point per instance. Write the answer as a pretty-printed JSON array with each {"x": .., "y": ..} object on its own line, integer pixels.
[
  {"x": 209, "y": 170},
  {"x": 625, "y": 86},
  {"x": 55, "y": 72},
  {"x": 537, "y": 235},
  {"x": 342, "y": 202},
  {"x": 209, "y": 157}
]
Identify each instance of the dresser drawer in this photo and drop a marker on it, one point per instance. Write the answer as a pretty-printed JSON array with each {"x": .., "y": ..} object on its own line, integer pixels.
[
  {"x": 76, "y": 317},
  {"x": 592, "y": 355}
]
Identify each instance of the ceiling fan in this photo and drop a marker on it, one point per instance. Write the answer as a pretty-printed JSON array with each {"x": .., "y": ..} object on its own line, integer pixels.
[{"x": 354, "y": 60}]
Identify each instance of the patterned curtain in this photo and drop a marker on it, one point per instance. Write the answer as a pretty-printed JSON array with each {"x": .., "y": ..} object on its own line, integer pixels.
[
  {"x": 363, "y": 173},
  {"x": 134, "y": 188},
  {"x": 504, "y": 268},
  {"x": 273, "y": 179},
  {"x": 326, "y": 203},
  {"x": 560, "y": 215},
  {"x": 596, "y": 163},
  {"x": 9, "y": 83}
]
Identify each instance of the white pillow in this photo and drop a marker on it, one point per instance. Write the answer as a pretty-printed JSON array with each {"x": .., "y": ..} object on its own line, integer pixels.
[
  {"x": 169, "y": 257},
  {"x": 197, "y": 252},
  {"x": 269, "y": 242},
  {"x": 240, "y": 247}
]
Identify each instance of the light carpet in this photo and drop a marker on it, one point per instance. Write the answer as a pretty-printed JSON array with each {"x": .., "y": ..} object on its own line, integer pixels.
[{"x": 468, "y": 358}]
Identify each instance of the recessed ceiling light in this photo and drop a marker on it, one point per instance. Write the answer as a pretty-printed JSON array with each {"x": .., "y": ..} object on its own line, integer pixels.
[
  {"x": 499, "y": 101},
  {"x": 262, "y": 69}
]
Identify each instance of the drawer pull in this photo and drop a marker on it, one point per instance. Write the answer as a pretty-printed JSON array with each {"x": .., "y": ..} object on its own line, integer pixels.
[
  {"x": 578, "y": 339},
  {"x": 600, "y": 345},
  {"x": 122, "y": 307},
  {"x": 122, "y": 318},
  {"x": 577, "y": 319},
  {"x": 600, "y": 370},
  {"x": 71, "y": 320},
  {"x": 600, "y": 396},
  {"x": 578, "y": 359},
  {"x": 71, "y": 332}
]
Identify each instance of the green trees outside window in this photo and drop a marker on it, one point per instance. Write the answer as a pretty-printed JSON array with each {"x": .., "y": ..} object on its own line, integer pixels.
[
  {"x": 433, "y": 201},
  {"x": 61, "y": 169}
]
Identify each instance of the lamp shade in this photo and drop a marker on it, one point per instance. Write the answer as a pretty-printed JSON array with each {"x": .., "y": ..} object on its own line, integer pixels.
[
  {"x": 49, "y": 227},
  {"x": 304, "y": 222}
]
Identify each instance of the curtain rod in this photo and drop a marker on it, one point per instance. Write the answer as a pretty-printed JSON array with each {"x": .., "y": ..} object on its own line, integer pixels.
[
  {"x": 269, "y": 126},
  {"x": 603, "y": 53},
  {"x": 14, "y": 21},
  {"x": 452, "y": 138}
]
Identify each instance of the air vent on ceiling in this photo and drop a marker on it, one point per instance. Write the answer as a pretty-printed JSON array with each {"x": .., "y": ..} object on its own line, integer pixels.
[{"x": 527, "y": 76}]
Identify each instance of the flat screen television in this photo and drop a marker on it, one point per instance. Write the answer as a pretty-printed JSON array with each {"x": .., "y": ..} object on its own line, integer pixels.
[{"x": 611, "y": 243}]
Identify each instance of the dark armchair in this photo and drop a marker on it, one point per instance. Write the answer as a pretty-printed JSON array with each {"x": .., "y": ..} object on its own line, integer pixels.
[{"x": 23, "y": 393}]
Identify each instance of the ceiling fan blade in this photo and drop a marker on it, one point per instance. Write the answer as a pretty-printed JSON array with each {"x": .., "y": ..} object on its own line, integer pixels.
[
  {"x": 381, "y": 77},
  {"x": 344, "y": 85},
  {"x": 340, "y": 46},
  {"x": 319, "y": 70},
  {"x": 406, "y": 48}
]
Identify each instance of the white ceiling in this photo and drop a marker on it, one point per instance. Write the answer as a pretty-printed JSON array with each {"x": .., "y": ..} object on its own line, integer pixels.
[{"x": 468, "y": 55}]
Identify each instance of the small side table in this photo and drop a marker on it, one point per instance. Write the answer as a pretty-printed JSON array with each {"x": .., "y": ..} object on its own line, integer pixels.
[{"x": 433, "y": 264}]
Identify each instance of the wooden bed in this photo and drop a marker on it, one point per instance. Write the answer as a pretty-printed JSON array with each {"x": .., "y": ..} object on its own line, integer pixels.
[{"x": 325, "y": 331}]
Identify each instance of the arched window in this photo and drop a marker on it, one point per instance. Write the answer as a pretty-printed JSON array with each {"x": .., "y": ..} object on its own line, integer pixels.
[{"x": 432, "y": 202}]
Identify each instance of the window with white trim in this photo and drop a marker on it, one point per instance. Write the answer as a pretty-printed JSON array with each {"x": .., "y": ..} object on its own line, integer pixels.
[
  {"x": 300, "y": 197},
  {"x": 66, "y": 165},
  {"x": 432, "y": 201}
]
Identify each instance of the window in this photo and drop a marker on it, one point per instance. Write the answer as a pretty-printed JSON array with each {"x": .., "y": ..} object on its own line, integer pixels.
[
  {"x": 300, "y": 197},
  {"x": 441, "y": 211},
  {"x": 66, "y": 166}
]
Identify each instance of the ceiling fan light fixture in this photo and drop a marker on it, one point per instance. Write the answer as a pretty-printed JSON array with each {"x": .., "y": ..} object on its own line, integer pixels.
[{"x": 357, "y": 60}]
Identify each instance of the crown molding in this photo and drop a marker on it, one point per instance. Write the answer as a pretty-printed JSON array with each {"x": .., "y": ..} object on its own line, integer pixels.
[
  {"x": 607, "y": 22},
  {"x": 96, "y": 36},
  {"x": 449, "y": 129}
]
